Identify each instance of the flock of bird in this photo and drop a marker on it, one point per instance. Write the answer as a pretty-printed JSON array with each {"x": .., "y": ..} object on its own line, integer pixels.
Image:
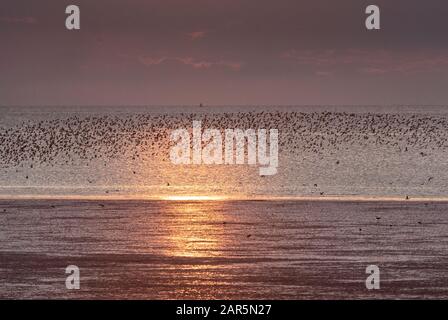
[{"x": 138, "y": 136}]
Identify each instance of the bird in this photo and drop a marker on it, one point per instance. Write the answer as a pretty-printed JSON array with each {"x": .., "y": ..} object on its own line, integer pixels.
[{"x": 75, "y": 139}]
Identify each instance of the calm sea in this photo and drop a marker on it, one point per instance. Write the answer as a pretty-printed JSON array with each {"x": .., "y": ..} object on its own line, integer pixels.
[
  {"x": 94, "y": 187},
  {"x": 223, "y": 249}
]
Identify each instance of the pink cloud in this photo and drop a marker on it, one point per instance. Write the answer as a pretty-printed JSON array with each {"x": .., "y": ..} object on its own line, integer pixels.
[
  {"x": 196, "y": 35},
  {"x": 148, "y": 61},
  {"x": 198, "y": 64},
  {"x": 374, "y": 71},
  {"x": 203, "y": 64},
  {"x": 19, "y": 20},
  {"x": 190, "y": 61},
  {"x": 371, "y": 61},
  {"x": 324, "y": 73}
]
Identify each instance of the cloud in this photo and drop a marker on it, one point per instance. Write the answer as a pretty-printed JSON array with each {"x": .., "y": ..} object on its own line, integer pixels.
[
  {"x": 196, "y": 35},
  {"x": 190, "y": 61},
  {"x": 324, "y": 73},
  {"x": 203, "y": 64},
  {"x": 19, "y": 20},
  {"x": 371, "y": 61},
  {"x": 149, "y": 61}
]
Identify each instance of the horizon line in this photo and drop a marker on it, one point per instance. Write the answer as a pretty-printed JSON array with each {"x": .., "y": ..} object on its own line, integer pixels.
[{"x": 224, "y": 198}]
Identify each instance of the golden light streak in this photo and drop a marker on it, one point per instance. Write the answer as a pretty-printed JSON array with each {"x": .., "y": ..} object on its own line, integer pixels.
[{"x": 193, "y": 198}]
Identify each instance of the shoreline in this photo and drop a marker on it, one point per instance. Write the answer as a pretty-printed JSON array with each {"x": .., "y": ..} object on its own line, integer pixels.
[{"x": 220, "y": 198}]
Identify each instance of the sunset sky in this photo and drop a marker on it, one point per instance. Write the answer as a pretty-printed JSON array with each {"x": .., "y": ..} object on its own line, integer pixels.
[{"x": 218, "y": 52}]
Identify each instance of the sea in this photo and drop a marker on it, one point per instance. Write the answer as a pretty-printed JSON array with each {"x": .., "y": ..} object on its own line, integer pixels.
[{"x": 94, "y": 187}]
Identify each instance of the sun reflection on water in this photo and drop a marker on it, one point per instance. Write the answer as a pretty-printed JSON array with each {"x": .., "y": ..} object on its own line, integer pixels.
[
  {"x": 197, "y": 228},
  {"x": 193, "y": 198}
]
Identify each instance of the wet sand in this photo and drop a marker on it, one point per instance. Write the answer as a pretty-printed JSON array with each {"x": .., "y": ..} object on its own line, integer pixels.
[{"x": 223, "y": 249}]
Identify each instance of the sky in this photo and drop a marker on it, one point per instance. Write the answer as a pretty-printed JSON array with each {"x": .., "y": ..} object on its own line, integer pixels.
[{"x": 223, "y": 52}]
